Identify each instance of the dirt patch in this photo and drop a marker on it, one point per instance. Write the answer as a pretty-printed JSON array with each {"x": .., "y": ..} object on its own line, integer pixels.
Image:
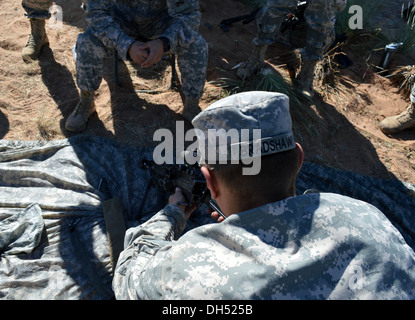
[{"x": 36, "y": 98}]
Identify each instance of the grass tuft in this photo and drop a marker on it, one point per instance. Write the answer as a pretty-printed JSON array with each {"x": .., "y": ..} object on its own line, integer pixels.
[
  {"x": 303, "y": 114},
  {"x": 403, "y": 78}
]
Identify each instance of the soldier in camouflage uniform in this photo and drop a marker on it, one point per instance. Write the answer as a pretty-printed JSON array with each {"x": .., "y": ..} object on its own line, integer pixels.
[
  {"x": 273, "y": 244},
  {"x": 37, "y": 11},
  {"x": 320, "y": 17},
  {"x": 404, "y": 120},
  {"x": 140, "y": 31}
]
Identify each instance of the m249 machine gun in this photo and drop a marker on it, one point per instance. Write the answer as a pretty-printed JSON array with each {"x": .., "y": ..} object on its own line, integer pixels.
[{"x": 187, "y": 177}]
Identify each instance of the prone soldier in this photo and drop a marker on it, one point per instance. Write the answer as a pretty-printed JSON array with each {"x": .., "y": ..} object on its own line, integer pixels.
[{"x": 273, "y": 244}]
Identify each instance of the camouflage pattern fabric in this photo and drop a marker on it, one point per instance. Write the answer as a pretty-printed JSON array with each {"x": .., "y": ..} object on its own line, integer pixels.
[
  {"x": 53, "y": 242},
  {"x": 56, "y": 247},
  {"x": 306, "y": 247},
  {"x": 320, "y": 16},
  {"x": 314, "y": 246},
  {"x": 267, "y": 112},
  {"x": 117, "y": 24},
  {"x": 38, "y": 9}
]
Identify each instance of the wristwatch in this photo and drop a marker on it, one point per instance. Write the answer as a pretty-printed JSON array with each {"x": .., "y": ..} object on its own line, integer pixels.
[{"x": 166, "y": 44}]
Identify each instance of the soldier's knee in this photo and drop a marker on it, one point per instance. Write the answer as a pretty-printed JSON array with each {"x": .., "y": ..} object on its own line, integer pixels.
[
  {"x": 269, "y": 19},
  {"x": 87, "y": 38},
  {"x": 201, "y": 45},
  {"x": 88, "y": 44},
  {"x": 317, "y": 43},
  {"x": 197, "y": 49}
]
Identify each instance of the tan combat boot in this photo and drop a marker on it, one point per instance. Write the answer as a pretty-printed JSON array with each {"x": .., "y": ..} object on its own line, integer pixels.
[
  {"x": 305, "y": 78},
  {"x": 191, "y": 108},
  {"x": 37, "y": 40},
  {"x": 254, "y": 63},
  {"x": 403, "y": 121},
  {"x": 84, "y": 109}
]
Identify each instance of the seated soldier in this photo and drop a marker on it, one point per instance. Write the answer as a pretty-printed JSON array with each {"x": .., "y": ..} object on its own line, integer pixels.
[
  {"x": 167, "y": 25},
  {"x": 273, "y": 244},
  {"x": 320, "y": 16}
]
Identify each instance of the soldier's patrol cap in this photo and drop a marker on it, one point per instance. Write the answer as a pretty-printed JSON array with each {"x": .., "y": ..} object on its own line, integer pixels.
[{"x": 266, "y": 113}]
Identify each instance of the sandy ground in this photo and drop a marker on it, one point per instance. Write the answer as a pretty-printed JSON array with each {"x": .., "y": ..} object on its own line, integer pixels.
[{"x": 36, "y": 98}]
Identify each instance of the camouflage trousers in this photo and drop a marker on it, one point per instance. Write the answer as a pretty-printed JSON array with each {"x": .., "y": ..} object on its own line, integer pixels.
[
  {"x": 38, "y": 9},
  {"x": 320, "y": 16},
  {"x": 191, "y": 57}
]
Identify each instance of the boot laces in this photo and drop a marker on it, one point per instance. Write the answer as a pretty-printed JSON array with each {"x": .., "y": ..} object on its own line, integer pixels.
[{"x": 36, "y": 34}]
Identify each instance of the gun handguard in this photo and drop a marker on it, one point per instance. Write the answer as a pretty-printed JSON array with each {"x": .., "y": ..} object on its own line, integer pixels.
[{"x": 187, "y": 177}]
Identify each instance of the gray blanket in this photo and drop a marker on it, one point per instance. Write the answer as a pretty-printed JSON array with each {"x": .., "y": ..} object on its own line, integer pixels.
[{"x": 53, "y": 241}]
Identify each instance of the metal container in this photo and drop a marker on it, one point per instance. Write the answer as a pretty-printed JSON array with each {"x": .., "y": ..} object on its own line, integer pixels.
[{"x": 390, "y": 51}]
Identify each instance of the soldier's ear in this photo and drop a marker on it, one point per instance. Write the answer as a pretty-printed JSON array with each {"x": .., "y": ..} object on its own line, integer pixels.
[
  {"x": 211, "y": 181},
  {"x": 301, "y": 152}
]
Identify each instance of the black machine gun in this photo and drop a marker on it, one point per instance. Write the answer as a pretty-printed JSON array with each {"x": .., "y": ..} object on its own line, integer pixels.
[
  {"x": 246, "y": 18},
  {"x": 187, "y": 177},
  {"x": 290, "y": 22}
]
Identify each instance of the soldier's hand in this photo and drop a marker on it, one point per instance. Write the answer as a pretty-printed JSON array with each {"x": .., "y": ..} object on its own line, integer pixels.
[
  {"x": 155, "y": 51},
  {"x": 178, "y": 199},
  {"x": 137, "y": 54},
  {"x": 216, "y": 216}
]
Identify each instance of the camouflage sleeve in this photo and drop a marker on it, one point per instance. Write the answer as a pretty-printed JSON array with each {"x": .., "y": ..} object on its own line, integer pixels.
[
  {"x": 99, "y": 16},
  {"x": 186, "y": 19},
  {"x": 141, "y": 244}
]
